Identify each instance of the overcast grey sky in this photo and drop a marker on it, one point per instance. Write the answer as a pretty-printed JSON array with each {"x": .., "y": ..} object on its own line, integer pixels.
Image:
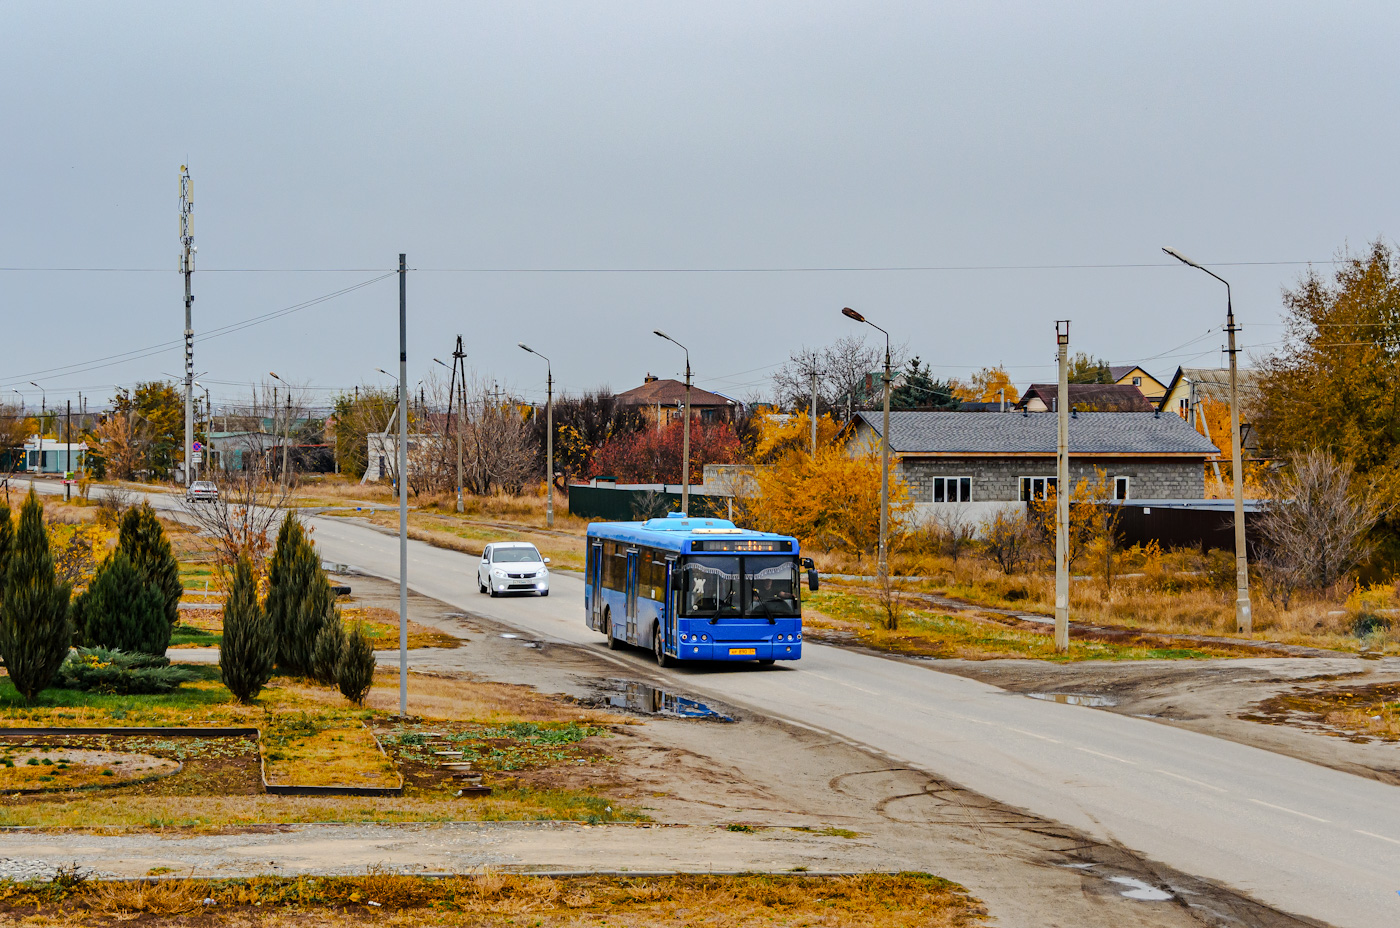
[{"x": 668, "y": 135}]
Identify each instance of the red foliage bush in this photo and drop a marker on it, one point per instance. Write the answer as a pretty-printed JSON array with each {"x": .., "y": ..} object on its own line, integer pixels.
[{"x": 654, "y": 456}]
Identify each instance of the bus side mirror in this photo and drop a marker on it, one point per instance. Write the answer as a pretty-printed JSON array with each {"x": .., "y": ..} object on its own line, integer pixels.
[{"x": 812, "y": 582}]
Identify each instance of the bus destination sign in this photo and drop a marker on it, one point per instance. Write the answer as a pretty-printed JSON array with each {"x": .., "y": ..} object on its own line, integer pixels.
[{"x": 741, "y": 544}]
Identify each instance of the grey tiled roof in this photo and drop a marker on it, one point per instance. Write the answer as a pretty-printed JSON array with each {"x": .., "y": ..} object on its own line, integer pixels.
[{"x": 1015, "y": 433}]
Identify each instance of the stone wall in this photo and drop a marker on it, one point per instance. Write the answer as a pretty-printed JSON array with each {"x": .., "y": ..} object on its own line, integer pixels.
[{"x": 996, "y": 479}]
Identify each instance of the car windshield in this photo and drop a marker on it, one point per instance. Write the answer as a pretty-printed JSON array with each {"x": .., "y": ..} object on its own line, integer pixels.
[
  {"x": 514, "y": 555},
  {"x": 203, "y": 485},
  {"x": 756, "y": 587}
]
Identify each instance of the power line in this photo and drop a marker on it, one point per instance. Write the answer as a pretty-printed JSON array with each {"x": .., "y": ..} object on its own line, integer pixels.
[
  {"x": 137, "y": 354},
  {"x": 792, "y": 269}
]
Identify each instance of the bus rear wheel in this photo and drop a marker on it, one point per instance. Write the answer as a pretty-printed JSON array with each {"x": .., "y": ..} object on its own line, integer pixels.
[
  {"x": 658, "y": 646},
  {"x": 613, "y": 643}
]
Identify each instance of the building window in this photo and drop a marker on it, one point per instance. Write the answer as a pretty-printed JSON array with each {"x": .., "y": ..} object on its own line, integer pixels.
[
  {"x": 1120, "y": 487},
  {"x": 1183, "y": 408},
  {"x": 1034, "y": 488},
  {"x": 1137, "y": 381},
  {"x": 952, "y": 489}
]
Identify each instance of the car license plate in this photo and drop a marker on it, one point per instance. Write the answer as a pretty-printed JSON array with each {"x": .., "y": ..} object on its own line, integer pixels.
[{"x": 742, "y": 651}]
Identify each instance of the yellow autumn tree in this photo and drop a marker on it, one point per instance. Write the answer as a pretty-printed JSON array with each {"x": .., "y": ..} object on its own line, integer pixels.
[
  {"x": 830, "y": 500},
  {"x": 982, "y": 387}
]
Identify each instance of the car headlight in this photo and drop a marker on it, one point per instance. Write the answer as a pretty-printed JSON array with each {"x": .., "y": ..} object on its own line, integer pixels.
[{"x": 497, "y": 572}]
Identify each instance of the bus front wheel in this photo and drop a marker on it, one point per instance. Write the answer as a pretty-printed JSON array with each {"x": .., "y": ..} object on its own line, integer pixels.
[{"x": 658, "y": 645}]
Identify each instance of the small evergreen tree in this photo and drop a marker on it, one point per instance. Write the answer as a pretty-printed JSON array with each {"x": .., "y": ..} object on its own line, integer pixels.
[
  {"x": 355, "y": 675},
  {"x": 7, "y": 541},
  {"x": 143, "y": 539},
  {"x": 329, "y": 649},
  {"x": 299, "y": 598},
  {"x": 121, "y": 611},
  {"x": 35, "y": 630},
  {"x": 249, "y": 647}
]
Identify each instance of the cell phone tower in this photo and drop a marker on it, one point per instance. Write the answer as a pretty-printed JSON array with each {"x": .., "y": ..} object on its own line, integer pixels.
[{"x": 187, "y": 253}]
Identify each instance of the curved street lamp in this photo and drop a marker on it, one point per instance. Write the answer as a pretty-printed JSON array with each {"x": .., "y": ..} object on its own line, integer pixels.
[
  {"x": 549, "y": 434},
  {"x": 1244, "y": 620},
  {"x": 685, "y": 441},
  {"x": 884, "y": 556}
]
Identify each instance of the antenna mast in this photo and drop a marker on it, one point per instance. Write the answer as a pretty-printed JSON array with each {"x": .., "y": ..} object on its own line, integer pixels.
[{"x": 187, "y": 253}]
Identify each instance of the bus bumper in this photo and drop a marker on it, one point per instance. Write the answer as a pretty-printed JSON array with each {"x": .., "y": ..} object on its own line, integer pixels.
[{"x": 740, "y": 651}]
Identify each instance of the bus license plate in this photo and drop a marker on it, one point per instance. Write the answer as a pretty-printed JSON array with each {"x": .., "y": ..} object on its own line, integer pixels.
[{"x": 743, "y": 651}]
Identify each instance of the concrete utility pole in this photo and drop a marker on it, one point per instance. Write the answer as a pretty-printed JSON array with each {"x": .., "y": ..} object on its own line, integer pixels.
[
  {"x": 68, "y": 450},
  {"x": 814, "y": 413},
  {"x": 1062, "y": 493},
  {"x": 549, "y": 435},
  {"x": 1244, "y": 618},
  {"x": 187, "y": 253},
  {"x": 685, "y": 440},
  {"x": 884, "y": 551},
  {"x": 403, "y": 485}
]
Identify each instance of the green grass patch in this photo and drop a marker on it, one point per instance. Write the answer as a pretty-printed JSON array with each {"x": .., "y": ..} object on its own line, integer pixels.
[
  {"x": 933, "y": 634},
  {"x": 188, "y": 636}
]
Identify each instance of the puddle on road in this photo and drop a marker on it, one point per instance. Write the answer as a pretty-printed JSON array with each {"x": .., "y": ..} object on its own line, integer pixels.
[
  {"x": 1076, "y": 699},
  {"x": 1139, "y": 890},
  {"x": 650, "y": 700}
]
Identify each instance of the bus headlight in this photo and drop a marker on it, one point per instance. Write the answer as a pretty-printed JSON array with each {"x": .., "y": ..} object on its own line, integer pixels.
[{"x": 704, "y": 637}]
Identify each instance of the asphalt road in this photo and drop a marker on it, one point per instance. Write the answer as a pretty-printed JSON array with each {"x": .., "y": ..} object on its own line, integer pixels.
[{"x": 1302, "y": 838}]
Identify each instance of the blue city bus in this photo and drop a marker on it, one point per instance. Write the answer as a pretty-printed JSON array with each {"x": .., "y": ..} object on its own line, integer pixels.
[{"x": 696, "y": 589}]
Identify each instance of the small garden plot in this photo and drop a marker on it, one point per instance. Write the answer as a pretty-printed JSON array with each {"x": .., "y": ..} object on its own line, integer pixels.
[
  {"x": 59, "y": 768},
  {"x": 307, "y": 750},
  {"x": 382, "y": 627}
]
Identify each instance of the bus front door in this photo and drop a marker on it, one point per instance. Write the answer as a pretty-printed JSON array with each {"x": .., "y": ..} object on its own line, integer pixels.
[
  {"x": 595, "y": 586},
  {"x": 632, "y": 562},
  {"x": 670, "y": 600}
]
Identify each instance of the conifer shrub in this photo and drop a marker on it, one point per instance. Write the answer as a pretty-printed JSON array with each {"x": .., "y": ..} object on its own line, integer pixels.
[
  {"x": 355, "y": 674},
  {"x": 143, "y": 539},
  {"x": 35, "y": 630},
  {"x": 117, "y": 673},
  {"x": 121, "y": 611},
  {"x": 299, "y": 598},
  {"x": 329, "y": 649},
  {"x": 7, "y": 540},
  {"x": 249, "y": 648}
]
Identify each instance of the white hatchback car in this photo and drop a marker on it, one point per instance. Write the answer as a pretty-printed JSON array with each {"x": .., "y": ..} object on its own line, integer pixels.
[{"x": 512, "y": 567}]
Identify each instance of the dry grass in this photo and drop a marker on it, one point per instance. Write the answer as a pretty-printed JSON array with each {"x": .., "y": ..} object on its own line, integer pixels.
[
  {"x": 937, "y": 634},
  {"x": 216, "y": 813},
  {"x": 896, "y": 900},
  {"x": 1173, "y": 592},
  {"x": 300, "y": 752}
]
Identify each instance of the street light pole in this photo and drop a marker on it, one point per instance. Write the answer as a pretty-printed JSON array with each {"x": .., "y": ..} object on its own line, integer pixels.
[
  {"x": 286, "y": 429},
  {"x": 403, "y": 486},
  {"x": 1244, "y": 620},
  {"x": 685, "y": 441},
  {"x": 43, "y": 415},
  {"x": 549, "y": 434},
  {"x": 884, "y": 555}
]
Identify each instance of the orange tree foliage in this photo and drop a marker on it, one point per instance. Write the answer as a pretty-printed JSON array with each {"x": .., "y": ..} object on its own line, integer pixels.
[
  {"x": 982, "y": 387},
  {"x": 1335, "y": 384},
  {"x": 654, "y": 456},
  {"x": 831, "y": 500}
]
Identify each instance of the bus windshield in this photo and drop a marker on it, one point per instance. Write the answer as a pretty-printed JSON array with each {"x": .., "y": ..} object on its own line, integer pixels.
[{"x": 729, "y": 587}]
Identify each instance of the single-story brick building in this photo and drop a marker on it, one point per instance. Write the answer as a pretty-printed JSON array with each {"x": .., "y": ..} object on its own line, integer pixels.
[{"x": 1009, "y": 458}]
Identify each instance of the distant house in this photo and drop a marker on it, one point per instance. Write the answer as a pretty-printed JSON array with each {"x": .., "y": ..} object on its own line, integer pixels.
[
  {"x": 661, "y": 399},
  {"x": 990, "y": 461},
  {"x": 1192, "y": 386},
  {"x": 1132, "y": 375},
  {"x": 51, "y": 456},
  {"x": 1086, "y": 397}
]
